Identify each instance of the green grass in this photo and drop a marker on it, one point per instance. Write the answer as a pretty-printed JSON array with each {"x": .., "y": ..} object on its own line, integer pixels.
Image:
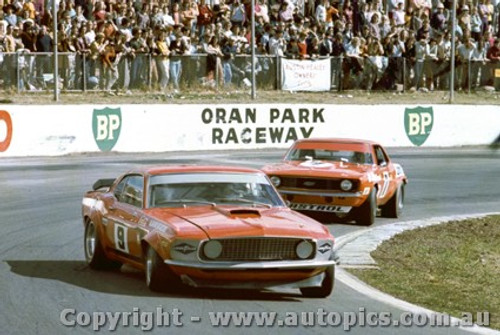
[{"x": 451, "y": 268}]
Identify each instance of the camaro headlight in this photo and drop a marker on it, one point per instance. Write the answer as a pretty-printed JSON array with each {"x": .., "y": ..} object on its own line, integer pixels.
[
  {"x": 304, "y": 249},
  {"x": 346, "y": 185},
  {"x": 212, "y": 249},
  {"x": 276, "y": 181}
]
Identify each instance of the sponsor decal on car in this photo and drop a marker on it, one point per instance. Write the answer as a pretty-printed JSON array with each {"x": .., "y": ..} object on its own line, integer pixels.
[
  {"x": 250, "y": 126},
  {"x": 106, "y": 126},
  {"x": 5, "y": 130},
  {"x": 418, "y": 124},
  {"x": 320, "y": 208}
]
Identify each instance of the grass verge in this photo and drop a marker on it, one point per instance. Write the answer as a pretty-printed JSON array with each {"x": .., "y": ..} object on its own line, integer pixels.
[{"x": 451, "y": 268}]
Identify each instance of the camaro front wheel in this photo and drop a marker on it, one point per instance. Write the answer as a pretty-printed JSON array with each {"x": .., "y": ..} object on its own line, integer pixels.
[
  {"x": 368, "y": 210},
  {"x": 326, "y": 287},
  {"x": 94, "y": 252},
  {"x": 394, "y": 207}
]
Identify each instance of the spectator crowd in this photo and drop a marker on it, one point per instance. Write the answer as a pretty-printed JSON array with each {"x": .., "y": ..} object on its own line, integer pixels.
[{"x": 127, "y": 44}]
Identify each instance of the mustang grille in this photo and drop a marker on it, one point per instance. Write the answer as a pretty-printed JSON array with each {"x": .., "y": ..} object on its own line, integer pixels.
[
  {"x": 316, "y": 183},
  {"x": 258, "y": 249}
]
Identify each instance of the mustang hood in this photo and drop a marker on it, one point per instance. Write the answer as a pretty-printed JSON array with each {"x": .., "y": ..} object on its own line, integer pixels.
[
  {"x": 318, "y": 169},
  {"x": 223, "y": 221}
]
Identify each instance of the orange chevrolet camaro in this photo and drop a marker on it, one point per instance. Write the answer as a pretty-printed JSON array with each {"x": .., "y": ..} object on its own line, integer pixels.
[
  {"x": 351, "y": 179},
  {"x": 206, "y": 226}
]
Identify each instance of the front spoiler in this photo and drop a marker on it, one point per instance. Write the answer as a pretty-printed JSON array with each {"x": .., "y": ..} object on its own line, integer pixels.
[
  {"x": 314, "y": 281},
  {"x": 242, "y": 266}
]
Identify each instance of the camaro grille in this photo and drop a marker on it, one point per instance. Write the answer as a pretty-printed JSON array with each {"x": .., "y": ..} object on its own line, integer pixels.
[
  {"x": 258, "y": 249},
  {"x": 315, "y": 183}
]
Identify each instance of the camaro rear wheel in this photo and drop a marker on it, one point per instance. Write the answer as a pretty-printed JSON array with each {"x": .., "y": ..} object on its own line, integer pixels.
[
  {"x": 394, "y": 207},
  {"x": 368, "y": 210},
  {"x": 159, "y": 277},
  {"x": 326, "y": 287},
  {"x": 94, "y": 252}
]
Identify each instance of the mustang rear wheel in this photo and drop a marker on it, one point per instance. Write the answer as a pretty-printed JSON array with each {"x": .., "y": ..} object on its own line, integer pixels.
[
  {"x": 368, "y": 210},
  {"x": 94, "y": 252},
  {"x": 326, "y": 287},
  {"x": 394, "y": 207},
  {"x": 159, "y": 277}
]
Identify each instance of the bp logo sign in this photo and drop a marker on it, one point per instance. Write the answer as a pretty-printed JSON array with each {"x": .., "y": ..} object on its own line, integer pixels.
[
  {"x": 418, "y": 124},
  {"x": 106, "y": 125}
]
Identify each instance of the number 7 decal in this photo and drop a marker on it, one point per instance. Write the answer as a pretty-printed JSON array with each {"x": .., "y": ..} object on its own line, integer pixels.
[{"x": 385, "y": 186}]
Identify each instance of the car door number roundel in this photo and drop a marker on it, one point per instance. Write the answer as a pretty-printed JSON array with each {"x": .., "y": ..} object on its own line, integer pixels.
[
  {"x": 121, "y": 238},
  {"x": 386, "y": 184}
]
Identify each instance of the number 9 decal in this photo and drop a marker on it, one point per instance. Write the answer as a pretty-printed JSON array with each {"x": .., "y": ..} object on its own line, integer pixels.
[{"x": 121, "y": 238}]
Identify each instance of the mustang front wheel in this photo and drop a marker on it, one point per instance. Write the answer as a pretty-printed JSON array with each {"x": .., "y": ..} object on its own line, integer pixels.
[
  {"x": 326, "y": 287},
  {"x": 158, "y": 276},
  {"x": 94, "y": 252}
]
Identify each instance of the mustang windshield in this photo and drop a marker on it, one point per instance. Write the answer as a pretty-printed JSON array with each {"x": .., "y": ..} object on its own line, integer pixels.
[
  {"x": 356, "y": 157},
  {"x": 173, "y": 190}
]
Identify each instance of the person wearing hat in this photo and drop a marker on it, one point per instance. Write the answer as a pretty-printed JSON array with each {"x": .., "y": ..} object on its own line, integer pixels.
[
  {"x": 438, "y": 19},
  {"x": 464, "y": 19}
]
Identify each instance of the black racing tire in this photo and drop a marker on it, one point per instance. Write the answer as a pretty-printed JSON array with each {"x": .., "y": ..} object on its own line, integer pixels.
[
  {"x": 159, "y": 278},
  {"x": 326, "y": 287},
  {"x": 94, "y": 252},
  {"x": 394, "y": 207},
  {"x": 367, "y": 212}
]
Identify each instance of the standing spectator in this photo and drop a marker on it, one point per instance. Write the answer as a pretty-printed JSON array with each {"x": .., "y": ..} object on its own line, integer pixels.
[
  {"x": 238, "y": 13},
  {"x": 204, "y": 17},
  {"x": 464, "y": 53},
  {"x": 476, "y": 24},
  {"x": 320, "y": 14},
  {"x": 161, "y": 52},
  {"x": 139, "y": 50},
  {"x": 421, "y": 54},
  {"x": 10, "y": 16},
  {"x": 438, "y": 19},
  {"x": 493, "y": 56},
  {"x": 110, "y": 58},
  {"x": 81, "y": 61},
  {"x": 353, "y": 64},
  {"x": 10, "y": 60},
  {"x": 43, "y": 45}
]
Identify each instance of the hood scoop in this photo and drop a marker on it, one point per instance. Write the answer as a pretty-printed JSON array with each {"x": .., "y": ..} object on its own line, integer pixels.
[{"x": 239, "y": 212}]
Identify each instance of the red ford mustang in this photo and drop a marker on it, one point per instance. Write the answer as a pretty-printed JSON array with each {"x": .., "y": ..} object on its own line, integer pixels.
[
  {"x": 349, "y": 178},
  {"x": 206, "y": 226}
]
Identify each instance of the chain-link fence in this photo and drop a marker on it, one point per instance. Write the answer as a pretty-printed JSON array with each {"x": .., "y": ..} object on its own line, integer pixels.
[{"x": 24, "y": 71}]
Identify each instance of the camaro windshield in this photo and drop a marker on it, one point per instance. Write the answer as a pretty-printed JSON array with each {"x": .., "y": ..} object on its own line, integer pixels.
[
  {"x": 356, "y": 157},
  {"x": 173, "y": 190}
]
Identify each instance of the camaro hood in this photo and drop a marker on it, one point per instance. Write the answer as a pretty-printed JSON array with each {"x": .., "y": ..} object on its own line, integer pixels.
[
  {"x": 317, "y": 169},
  {"x": 233, "y": 221}
]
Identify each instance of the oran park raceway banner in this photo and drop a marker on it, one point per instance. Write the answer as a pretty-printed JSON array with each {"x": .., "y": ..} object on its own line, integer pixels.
[
  {"x": 306, "y": 75},
  {"x": 50, "y": 130}
]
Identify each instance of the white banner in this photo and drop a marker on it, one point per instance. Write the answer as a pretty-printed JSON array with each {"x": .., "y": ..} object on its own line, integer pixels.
[{"x": 306, "y": 75}]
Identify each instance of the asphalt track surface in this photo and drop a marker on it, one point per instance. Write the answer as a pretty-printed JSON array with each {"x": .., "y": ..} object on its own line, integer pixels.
[{"x": 42, "y": 268}]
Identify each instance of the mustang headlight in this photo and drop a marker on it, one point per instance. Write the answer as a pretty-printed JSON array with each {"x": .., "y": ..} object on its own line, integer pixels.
[
  {"x": 276, "y": 181},
  {"x": 304, "y": 249},
  {"x": 212, "y": 249},
  {"x": 346, "y": 185}
]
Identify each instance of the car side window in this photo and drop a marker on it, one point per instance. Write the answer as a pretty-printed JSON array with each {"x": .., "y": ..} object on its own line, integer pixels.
[
  {"x": 119, "y": 188},
  {"x": 133, "y": 191},
  {"x": 381, "y": 157}
]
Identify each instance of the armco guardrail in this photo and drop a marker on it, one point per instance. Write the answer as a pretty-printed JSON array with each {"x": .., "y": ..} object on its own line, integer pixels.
[{"x": 64, "y": 129}]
